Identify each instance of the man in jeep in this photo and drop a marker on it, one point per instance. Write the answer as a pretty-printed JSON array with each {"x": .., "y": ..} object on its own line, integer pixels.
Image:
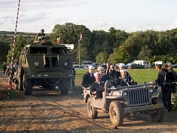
[
  {"x": 88, "y": 78},
  {"x": 98, "y": 86}
]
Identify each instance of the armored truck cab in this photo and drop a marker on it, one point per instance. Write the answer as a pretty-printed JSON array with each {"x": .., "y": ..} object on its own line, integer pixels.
[{"x": 45, "y": 64}]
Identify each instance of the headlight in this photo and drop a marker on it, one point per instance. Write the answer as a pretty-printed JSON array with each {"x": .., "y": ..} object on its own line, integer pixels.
[
  {"x": 124, "y": 93},
  {"x": 36, "y": 64},
  {"x": 46, "y": 75},
  {"x": 150, "y": 90},
  {"x": 66, "y": 63}
]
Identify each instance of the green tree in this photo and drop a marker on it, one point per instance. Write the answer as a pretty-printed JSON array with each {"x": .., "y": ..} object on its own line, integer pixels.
[
  {"x": 20, "y": 43},
  {"x": 69, "y": 33},
  {"x": 102, "y": 57}
]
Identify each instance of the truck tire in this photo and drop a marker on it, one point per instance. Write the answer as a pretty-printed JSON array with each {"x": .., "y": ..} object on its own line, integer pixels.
[
  {"x": 157, "y": 116},
  {"x": 92, "y": 112},
  {"x": 27, "y": 86},
  {"x": 20, "y": 80},
  {"x": 64, "y": 87},
  {"x": 116, "y": 113},
  {"x": 16, "y": 86}
]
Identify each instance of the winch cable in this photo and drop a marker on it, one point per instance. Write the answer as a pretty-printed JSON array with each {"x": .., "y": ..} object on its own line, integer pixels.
[{"x": 13, "y": 46}]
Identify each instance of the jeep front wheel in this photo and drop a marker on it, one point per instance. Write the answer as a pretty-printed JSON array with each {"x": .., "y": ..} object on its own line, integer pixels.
[
  {"x": 92, "y": 112},
  {"x": 157, "y": 115},
  {"x": 116, "y": 113}
]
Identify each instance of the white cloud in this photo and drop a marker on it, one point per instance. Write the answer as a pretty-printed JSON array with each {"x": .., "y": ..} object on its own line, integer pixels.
[
  {"x": 34, "y": 18},
  {"x": 174, "y": 25},
  {"x": 99, "y": 24}
]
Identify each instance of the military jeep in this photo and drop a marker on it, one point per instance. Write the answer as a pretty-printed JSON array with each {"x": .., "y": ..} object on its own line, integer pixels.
[
  {"x": 125, "y": 101},
  {"x": 42, "y": 63}
]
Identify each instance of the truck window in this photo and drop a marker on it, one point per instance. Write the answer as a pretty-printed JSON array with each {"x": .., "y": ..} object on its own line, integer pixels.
[
  {"x": 38, "y": 50},
  {"x": 58, "y": 51}
]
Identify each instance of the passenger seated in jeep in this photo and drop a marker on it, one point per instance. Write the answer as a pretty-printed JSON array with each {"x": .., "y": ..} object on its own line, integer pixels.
[
  {"x": 97, "y": 87},
  {"x": 88, "y": 78},
  {"x": 124, "y": 79}
]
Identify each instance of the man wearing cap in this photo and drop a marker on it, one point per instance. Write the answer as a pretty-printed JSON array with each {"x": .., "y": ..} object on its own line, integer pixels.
[
  {"x": 88, "y": 78},
  {"x": 98, "y": 86},
  {"x": 103, "y": 76}
]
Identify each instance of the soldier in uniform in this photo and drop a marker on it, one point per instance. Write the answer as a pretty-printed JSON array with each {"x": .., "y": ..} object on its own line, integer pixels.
[{"x": 40, "y": 35}]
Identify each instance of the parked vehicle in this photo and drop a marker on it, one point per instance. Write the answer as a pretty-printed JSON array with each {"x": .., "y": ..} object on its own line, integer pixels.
[
  {"x": 77, "y": 66},
  {"x": 134, "y": 66},
  {"x": 174, "y": 66},
  {"x": 85, "y": 64},
  {"x": 155, "y": 63},
  {"x": 141, "y": 63},
  {"x": 118, "y": 101}
]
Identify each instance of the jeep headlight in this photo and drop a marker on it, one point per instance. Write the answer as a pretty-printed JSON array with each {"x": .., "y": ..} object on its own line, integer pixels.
[
  {"x": 151, "y": 90},
  {"x": 66, "y": 63},
  {"x": 124, "y": 93},
  {"x": 36, "y": 64}
]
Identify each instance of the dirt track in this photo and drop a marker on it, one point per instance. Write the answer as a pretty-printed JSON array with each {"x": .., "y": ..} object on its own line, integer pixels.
[{"x": 47, "y": 111}]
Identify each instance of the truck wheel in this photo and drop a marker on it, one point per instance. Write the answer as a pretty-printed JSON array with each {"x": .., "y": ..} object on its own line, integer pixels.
[
  {"x": 64, "y": 87},
  {"x": 116, "y": 113},
  {"x": 16, "y": 86},
  {"x": 20, "y": 78},
  {"x": 28, "y": 86},
  {"x": 157, "y": 115},
  {"x": 92, "y": 112}
]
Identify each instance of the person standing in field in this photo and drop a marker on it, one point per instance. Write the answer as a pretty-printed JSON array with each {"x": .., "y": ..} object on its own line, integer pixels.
[
  {"x": 73, "y": 79},
  {"x": 165, "y": 75},
  {"x": 4, "y": 66}
]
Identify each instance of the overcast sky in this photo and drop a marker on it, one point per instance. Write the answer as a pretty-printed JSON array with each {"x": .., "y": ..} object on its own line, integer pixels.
[{"x": 128, "y": 15}]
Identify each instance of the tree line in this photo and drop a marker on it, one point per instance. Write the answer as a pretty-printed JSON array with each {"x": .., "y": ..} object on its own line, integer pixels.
[{"x": 114, "y": 46}]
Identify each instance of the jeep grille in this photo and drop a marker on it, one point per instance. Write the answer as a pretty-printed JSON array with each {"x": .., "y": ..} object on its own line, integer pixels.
[{"x": 138, "y": 96}]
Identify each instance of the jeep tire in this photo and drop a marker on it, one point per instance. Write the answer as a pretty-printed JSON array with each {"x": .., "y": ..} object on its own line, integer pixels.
[
  {"x": 92, "y": 112},
  {"x": 157, "y": 115},
  {"x": 116, "y": 113}
]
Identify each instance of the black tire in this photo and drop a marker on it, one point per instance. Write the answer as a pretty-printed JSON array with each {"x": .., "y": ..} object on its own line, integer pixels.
[
  {"x": 28, "y": 86},
  {"x": 16, "y": 86},
  {"x": 116, "y": 113},
  {"x": 64, "y": 87},
  {"x": 92, "y": 112},
  {"x": 157, "y": 116}
]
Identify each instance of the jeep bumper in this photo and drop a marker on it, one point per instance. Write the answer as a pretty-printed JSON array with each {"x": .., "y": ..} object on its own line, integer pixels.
[{"x": 143, "y": 108}]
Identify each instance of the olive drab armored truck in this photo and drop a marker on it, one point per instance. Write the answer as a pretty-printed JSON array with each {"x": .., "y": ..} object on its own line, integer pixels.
[{"x": 42, "y": 63}]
